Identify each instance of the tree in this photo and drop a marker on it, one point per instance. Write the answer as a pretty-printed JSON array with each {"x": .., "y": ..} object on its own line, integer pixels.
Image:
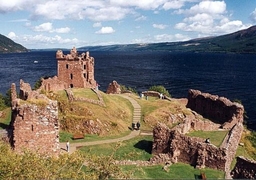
[
  {"x": 160, "y": 89},
  {"x": 2, "y": 102},
  {"x": 8, "y": 98}
]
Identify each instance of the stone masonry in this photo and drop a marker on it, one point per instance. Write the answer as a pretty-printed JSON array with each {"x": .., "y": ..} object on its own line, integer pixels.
[
  {"x": 244, "y": 169},
  {"x": 34, "y": 122},
  {"x": 219, "y": 109},
  {"x": 74, "y": 71},
  {"x": 178, "y": 147}
]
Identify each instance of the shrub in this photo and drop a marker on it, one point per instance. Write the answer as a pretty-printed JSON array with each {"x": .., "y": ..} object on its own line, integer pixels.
[
  {"x": 160, "y": 89},
  {"x": 124, "y": 89}
]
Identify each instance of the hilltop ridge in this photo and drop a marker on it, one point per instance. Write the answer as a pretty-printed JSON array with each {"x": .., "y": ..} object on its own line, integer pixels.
[
  {"x": 9, "y": 46},
  {"x": 243, "y": 41}
]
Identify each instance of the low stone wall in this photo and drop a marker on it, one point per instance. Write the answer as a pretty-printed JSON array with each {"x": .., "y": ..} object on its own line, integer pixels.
[
  {"x": 99, "y": 102},
  {"x": 244, "y": 169},
  {"x": 219, "y": 109},
  {"x": 53, "y": 84},
  {"x": 191, "y": 150}
]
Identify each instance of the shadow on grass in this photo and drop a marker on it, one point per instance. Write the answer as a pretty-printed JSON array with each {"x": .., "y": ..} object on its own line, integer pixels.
[
  {"x": 144, "y": 145},
  {"x": 4, "y": 126}
]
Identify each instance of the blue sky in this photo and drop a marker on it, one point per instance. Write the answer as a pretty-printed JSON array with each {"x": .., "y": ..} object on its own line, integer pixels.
[{"x": 66, "y": 23}]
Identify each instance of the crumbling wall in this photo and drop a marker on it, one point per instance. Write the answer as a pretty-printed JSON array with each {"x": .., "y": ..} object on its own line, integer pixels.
[
  {"x": 114, "y": 88},
  {"x": 53, "y": 84},
  {"x": 244, "y": 169},
  {"x": 191, "y": 150},
  {"x": 218, "y": 109},
  {"x": 76, "y": 70},
  {"x": 34, "y": 123}
]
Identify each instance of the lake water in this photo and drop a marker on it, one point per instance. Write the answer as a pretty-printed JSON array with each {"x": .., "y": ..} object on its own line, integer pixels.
[{"x": 229, "y": 75}]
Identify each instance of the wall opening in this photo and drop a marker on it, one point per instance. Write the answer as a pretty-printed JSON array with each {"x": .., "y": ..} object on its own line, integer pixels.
[
  {"x": 71, "y": 76},
  {"x": 84, "y": 66},
  {"x": 84, "y": 75},
  {"x": 71, "y": 85},
  {"x": 66, "y": 66}
]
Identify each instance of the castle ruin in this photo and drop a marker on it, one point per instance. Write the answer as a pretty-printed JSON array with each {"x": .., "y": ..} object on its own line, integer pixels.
[
  {"x": 74, "y": 71},
  {"x": 34, "y": 123},
  {"x": 177, "y": 147}
]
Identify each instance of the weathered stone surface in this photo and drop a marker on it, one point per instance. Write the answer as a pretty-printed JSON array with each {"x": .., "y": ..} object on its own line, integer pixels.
[
  {"x": 181, "y": 148},
  {"x": 244, "y": 169},
  {"x": 74, "y": 70},
  {"x": 35, "y": 123},
  {"x": 219, "y": 109},
  {"x": 113, "y": 88},
  {"x": 191, "y": 150}
]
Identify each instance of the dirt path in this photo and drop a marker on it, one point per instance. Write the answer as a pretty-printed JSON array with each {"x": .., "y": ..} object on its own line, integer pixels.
[{"x": 136, "y": 118}]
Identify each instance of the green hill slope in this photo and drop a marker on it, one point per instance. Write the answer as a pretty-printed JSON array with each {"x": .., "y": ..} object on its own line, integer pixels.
[
  {"x": 243, "y": 41},
  {"x": 9, "y": 46}
]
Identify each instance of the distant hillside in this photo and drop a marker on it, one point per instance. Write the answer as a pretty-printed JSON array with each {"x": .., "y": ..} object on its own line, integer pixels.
[
  {"x": 243, "y": 41},
  {"x": 9, "y": 46}
]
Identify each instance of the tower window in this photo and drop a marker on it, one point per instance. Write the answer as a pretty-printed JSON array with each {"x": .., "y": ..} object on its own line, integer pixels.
[
  {"x": 84, "y": 66},
  {"x": 84, "y": 75},
  {"x": 66, "y": 66},
  {"x": 71, "y": 76}
]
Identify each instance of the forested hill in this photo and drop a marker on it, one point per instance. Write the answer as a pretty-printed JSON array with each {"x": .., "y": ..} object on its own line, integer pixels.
[
  {"x": 243, "y": 41},
  {"x": 9, "y": 46}
]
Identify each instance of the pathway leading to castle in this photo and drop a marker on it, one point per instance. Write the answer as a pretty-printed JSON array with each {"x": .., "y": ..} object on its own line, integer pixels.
[{"x": 136, "y": 118}]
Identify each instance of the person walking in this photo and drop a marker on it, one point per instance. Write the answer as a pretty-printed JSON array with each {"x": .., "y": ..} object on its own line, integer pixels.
[{"x": 67, "y": 145}]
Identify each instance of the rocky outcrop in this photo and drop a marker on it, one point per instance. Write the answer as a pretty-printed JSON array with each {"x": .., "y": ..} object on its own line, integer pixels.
[
  {"x": 244, "y": 169},
  {"x": 219, "y": 109},
  {"x": 114, "y": 88},
  {"x": 34, "y": 123}
]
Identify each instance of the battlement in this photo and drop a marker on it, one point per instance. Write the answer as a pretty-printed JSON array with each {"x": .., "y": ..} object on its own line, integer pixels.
[{"x": 74, "y": 71}]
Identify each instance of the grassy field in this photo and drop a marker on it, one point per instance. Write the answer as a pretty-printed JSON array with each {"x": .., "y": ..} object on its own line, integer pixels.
[
  {"x": 216, "y": 137},
  {"x": 140, "y": 148}
]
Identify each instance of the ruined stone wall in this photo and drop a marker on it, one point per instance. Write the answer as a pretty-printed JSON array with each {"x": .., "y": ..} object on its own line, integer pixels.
[
  {"x": 191, "y": 150},
  {"x": 218, "y": 109},
  {"x": 244, "y": 169},
  {"x": 76, "y": 70},
  {"x": 35, "y": 124},
  {"x": 114, "y": 88},
  {"x": 230, "y": 144},
  {"x": 53, "y": 84}
]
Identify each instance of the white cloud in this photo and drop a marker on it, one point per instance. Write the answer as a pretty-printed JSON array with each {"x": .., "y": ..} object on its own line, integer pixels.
[
  {"x": 253, "y": 16},
  {"x": 48, "y": 27},
  {"x": 97, "y": 24},
  {"x": 208, "y": 18},
  {"x": 175, "y": 4},
  {"x": 42, "y": 41},
  {"x": 62, "y": 30},
  {"x": 159, "y": 26},
  {"x": 12, "y": 35},
  {"x": 44, "y": 27},
  {"x": 105, "y": 30},
  {"x": 209, "y": 7},
  {"x": 169, "y": 37},
  {"x": 141, "y": 18}
]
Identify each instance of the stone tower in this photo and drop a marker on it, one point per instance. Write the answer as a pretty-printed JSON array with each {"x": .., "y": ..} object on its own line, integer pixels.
[{"x": 76, "y": 70}]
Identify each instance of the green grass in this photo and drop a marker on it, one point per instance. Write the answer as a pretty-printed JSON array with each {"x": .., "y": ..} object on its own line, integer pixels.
[
  {"x": 5, "y": 119},
  {"x": 176, "y": 171},
  {"x": 66, "y": 136},
  {"x": 216, "y": 137},
  {"x": 84, "y": 93},
  {"x": 138, "y": 148}
]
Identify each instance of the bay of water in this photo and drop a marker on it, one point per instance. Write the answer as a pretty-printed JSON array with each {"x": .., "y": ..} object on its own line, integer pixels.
[{"x": 229, "y": 75}]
